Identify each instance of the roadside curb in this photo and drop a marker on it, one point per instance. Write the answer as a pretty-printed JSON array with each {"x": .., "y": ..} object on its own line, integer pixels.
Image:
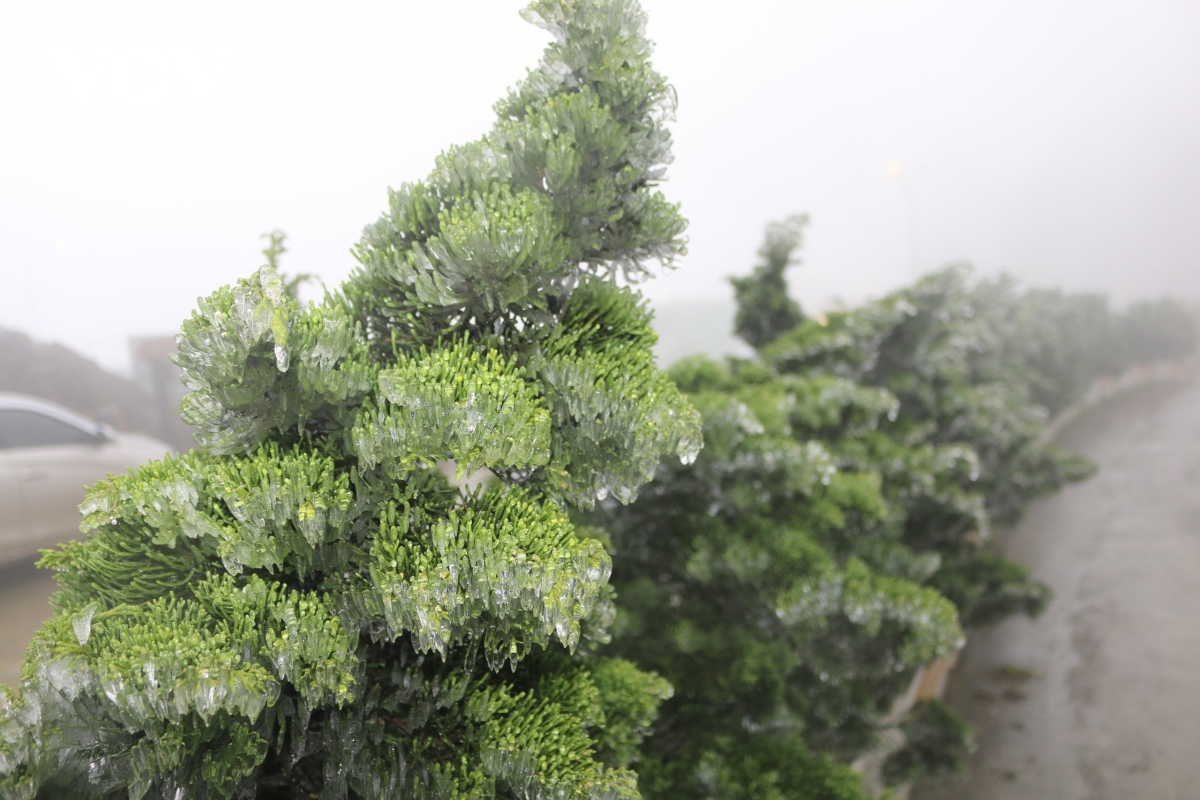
[{"x": 1105, "y": 389}]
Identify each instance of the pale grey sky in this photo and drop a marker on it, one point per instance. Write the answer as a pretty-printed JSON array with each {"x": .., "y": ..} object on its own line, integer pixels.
[{"x": 144, "y": 147}]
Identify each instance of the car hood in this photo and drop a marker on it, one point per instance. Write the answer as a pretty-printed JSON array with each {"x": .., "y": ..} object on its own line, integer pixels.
[{"x": 136, "y": 445}]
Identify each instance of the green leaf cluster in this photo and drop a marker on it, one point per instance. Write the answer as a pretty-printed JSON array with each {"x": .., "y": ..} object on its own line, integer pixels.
[
  {"x": 764, "y": 310},
  {"x": 561, "y": 188},
  {"x": 255, "y": 363},
  {"x": 936, "y": 742}
]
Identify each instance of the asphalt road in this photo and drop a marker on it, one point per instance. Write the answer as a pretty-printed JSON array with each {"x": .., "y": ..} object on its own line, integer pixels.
[
  {"x": 24, "y": 606},
  {"x": 1100, "y": 697}
]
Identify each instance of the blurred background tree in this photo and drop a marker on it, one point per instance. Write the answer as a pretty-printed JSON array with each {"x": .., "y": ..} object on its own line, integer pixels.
[{"x": 836, "y": 530}]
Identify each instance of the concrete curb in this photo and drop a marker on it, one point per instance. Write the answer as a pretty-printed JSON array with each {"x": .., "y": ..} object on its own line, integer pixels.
[{"x": 1109, "y": 387}]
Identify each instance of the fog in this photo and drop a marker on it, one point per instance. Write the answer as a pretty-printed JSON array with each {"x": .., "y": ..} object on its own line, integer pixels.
[{"x": 145, "y": 147}]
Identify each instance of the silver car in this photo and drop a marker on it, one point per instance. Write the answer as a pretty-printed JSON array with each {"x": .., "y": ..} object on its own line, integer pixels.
[{"x": 47, "y": 456}]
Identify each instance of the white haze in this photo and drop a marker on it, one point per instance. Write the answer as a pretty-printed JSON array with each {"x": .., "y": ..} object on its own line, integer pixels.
[{"x": 144, "y": 147}]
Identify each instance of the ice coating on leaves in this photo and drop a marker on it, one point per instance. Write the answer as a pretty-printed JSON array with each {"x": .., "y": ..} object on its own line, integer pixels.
[
  {"x": 928, "y": 622},
  {"x": 162, "y": 661},
  {"x": 230, "y": 351},
  {"x": 286, "y": 504},
  {"x": 576, "y": 154},
  {"x": 263, "y": 510},
  {"x": 164, "y": 494},
  {"x": 964, "y": 357},
  {"x": 254, "y": 361},
  {"x": 298, "y": 633},
  {"x": 829, "y": 403},
  {"x": 505, "y": 570},
  {"x": 82, "y": 623},
  {"x": 167, "y": 670},
  {"x": 476, "y": 409},
  {"x": 487, "y": 248},
  {"x": 620, "y": 417},
  {"x": 774, "y": 564},
  {"x": 614, "y": 413},
  {"x": 791, "y": 583}
]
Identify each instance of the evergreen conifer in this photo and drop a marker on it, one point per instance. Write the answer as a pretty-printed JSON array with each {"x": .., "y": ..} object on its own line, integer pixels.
[
  {"x": 305, "y": 606},
  {"x": 764, "y": 309}
]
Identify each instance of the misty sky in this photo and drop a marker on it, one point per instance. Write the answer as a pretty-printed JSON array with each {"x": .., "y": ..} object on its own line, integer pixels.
[{"x": 145, "y": 147}]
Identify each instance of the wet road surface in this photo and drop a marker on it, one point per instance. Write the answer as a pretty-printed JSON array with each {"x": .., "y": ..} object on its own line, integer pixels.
[
  {"x": 1099, "y": 698},
  {"x": 24, "y": 606}
]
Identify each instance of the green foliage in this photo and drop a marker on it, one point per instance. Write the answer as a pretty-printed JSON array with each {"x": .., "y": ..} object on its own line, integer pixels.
[
  {"x": 274, "y": 249},
  {"x": 764, "y": 310},
  {"x": 741, "y": 764},
  {"x": 561, "y": 188},
  {"x": 630, "y": 699},
  {"x": 478, "y": 410},
  {"x": 615, "y": 409},
  {"x": 307, "y": 607},
  {"x": 256, "y": 364},
  {"x": 936, "y": 742},
  {"x": 504, "y": 570},
  {"x": 989, "y": 589}
]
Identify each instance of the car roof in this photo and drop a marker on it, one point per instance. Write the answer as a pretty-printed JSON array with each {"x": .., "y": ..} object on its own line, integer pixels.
[{"x": 22, "y": 402}]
